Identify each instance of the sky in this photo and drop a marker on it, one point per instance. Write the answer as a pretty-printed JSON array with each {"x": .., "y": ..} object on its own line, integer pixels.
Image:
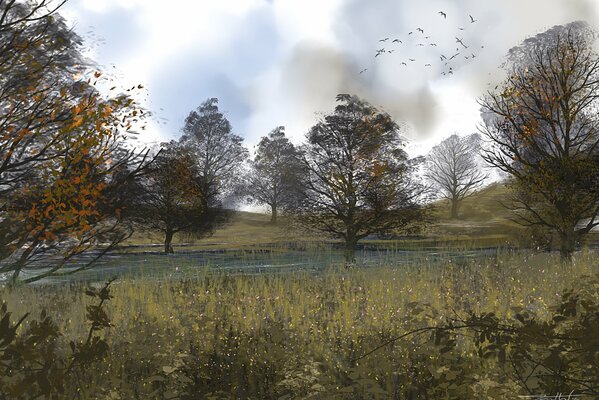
[{"x": 282, "y": 62}]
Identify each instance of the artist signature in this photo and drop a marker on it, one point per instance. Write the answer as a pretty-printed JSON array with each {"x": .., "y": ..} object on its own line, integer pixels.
[{"x": 559, "y": 396}]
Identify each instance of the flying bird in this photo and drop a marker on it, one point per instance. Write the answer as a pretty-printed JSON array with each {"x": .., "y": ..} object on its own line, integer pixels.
[
  {"x": 472, "y": 20},
  {"x": 420, "y": 44},
  {"x": 390, "y": 51},
  {"x": 427, "y": 65},
  {"x": 364, "y": 70},
  {"x": 410, "y": 33},
  {"x": 454, "y": 56},
  {"x": 420, "y": 30},
  {"x": 379, "y": 52},
  {"x": 473, "y": 56},
  {"x": 442, "y": 14},
  {"x": 412, "y": 59},
  {"x": 384, "y": 40},
  {"x": 460, "y": 28},
  {"x": 427, "y": 37},
  {"x": 442, "y": 57},
  {"x": 458, "y": 40},
  {"x": 396, "y": 41},
  {"x": 433, "y": 44},
  {"x": 403, "y": 63}
]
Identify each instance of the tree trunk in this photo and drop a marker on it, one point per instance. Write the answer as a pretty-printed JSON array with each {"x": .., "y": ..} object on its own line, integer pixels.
[
  {"x": 567, "y": 244},
  {"x": 273, "y": 215},
  {"x": 455, "y": 204},
  {"x": 350, "y": 249},
  {"x": 168, "y": 247}
]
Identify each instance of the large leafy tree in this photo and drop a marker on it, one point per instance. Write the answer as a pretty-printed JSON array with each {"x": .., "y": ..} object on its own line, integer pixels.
[
  {"x": 219, "y": 152},
  {"x": 453, "y": 169},
  {"x": 359, "y": 180},
  {"x": 275, "y": 173},
  {"x": 62, "y": 153},
  {"x": 543, "y": 131},
  {"x": 171, "y": 197}
]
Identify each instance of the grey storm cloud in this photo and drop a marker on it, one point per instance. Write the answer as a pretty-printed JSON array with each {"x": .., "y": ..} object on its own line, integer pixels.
[{"x": 314, "y": 74}]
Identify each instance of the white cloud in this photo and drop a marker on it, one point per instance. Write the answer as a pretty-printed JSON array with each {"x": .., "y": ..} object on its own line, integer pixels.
[{"x": 278, "y": 62}]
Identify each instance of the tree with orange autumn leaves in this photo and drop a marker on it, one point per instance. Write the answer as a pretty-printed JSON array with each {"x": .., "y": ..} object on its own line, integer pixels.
[
  {"x": 63, "y": 158},
  {"x": 543, "y": 131},
  {"x": 359, "y": 180},
  {"x": 175, "y": 197}
]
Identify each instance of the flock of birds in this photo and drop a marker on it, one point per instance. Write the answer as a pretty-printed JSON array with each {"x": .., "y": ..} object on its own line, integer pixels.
[{"x": 447, "y": 59}]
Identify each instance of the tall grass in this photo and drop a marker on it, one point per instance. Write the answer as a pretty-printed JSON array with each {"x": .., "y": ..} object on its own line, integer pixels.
[{"x": 291, "y": 334}]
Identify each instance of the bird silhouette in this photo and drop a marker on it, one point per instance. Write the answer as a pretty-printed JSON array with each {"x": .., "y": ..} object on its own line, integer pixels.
[
  {"x": 403, "y": 63},
  {"x": 427, "y": 65},
  {"x": 442, "y": 14},
  {"x": 433, "y": 44},
  {"x": 442, "y": 57},
  {"x": 427, "y": 37},
  {"x": 384, "y": 40},
  {"x": 420, "y": 30},
  {"x": 460, "y": 28},
  {"x": 472, "y": 20},
  {"x": 473, "y": 56},
  {"x": 458, "y": 40},
  {"x": 364, "y": 70},
  {"x": 410, "y": 33},
  {"x": 412, "y": 59},
  {"x": 454, "y": 56},
  {"x": 390, "y": 51},
  {"x": 420, "y": 44},
  {"x": 396, "y": 41}
]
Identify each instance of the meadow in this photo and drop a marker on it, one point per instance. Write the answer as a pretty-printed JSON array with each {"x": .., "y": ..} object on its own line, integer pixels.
[
  {"x": 298, "y": 335},
  {"x": 460, "y": 312}
]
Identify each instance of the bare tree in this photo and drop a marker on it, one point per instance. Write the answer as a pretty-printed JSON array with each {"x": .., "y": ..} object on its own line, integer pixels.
[
  {"x": 453, "y": 169},
  {"x": 359, "y": 179},
  {"x": 543, "y": 131},
  {"x": 275, "y": 173}
]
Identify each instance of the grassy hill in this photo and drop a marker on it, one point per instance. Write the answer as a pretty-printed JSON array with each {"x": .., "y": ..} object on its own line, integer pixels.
[
  {"x": 483, "y": 221},
  {"x": 482, "y": 217}
]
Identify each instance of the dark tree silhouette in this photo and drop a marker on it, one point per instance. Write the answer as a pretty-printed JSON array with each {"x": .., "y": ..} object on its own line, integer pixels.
[
  {"x": 543, "y": 131},
  {"x": 219, "y": 152},
  {"x": 61, "y": 149},
  {"x": 453, "y": 169},
  {"x": 359, "y": 179},
  {"x": 275, "y": 173},
  {"x": 171, "y": 197}
]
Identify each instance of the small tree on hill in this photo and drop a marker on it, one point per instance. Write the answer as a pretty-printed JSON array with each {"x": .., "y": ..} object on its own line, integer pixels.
[
  {"x": 453, "y": 169},
  {"x": 275, "y": 173}
]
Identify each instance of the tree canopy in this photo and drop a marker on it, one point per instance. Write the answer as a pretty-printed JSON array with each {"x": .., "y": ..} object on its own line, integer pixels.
[
  {"x": 62, "y": 153},
  {"x": 359, "y": 179},
  {"x": 219, "y": 152},
  {"x": 543, "y": 131},
  {"x": 275, "y": 173}
]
